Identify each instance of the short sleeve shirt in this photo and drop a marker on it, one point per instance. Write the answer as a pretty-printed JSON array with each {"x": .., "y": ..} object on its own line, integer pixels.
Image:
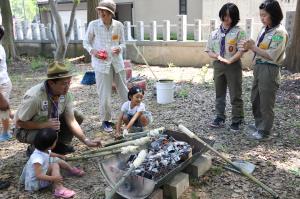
[
  {"x": 274, "y": 42},
  {"x": 28, "y": 177},
  {"x": 232, "y": 38},
  {"x": 3, "y": 67},
  {"x": 36, "y": 105},
  {"x": 126, "y": 109}
]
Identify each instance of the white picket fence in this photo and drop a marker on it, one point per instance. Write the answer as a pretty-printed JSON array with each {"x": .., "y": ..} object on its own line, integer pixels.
[{"x": 154, "y": 31}]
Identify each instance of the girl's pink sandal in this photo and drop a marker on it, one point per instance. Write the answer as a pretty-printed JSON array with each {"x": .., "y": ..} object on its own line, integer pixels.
[
  {"x": 64, "y": 192},
  {"x": 77, "y": 172}
]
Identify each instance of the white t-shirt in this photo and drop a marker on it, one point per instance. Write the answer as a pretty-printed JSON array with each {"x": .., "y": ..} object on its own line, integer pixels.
[
  {"x": 3, "y": 67},
  {"x": 28, "y": 177},
  {"x": 131, "y": 111}
]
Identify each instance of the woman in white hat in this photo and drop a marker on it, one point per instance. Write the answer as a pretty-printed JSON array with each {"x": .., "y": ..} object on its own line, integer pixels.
[{"x": 105, "y": 41}]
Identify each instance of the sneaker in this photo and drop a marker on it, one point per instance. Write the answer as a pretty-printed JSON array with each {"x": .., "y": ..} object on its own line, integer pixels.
[
  {"x": 260, "y": 135},
  {"x": 106, "y": 125},
  {"x": 235, "y": 126},
  {"x": 5, "y": 137},
  {"x": 252, "y": 127},
  {"x": 63, "y": 149},
  {"x": 217, "y": 123},
  {"x": 29, "y": 150}
]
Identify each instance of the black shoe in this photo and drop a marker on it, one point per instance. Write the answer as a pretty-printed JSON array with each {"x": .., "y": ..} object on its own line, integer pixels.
[
  {"x": 4, "y": 184},
  {"x": 29, "y": 150},
  {"x": 235, "y": 126},
  {"x": 63, "y": 149},
  {"x": 217, "y": 123},
  {"x": 260, "y": 135}
]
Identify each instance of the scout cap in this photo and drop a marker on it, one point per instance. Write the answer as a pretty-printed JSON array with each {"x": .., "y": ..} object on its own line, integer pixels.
[
  {"x": 57, "y": 70},
  {"x": 108, "y": 5}
]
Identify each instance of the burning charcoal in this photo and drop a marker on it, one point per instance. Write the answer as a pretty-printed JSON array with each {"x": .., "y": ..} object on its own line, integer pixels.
[
  {"x": 165, "y": 153},
  {"x": 148, "y": 175},
  {"x": 170, "y": 149}
]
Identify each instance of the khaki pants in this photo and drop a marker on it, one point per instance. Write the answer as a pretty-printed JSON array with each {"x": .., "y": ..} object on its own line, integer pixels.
[
  {"x": 104, "y": 89},
  {"x": 65, "y": 135},
  {"x": 265, "y": 85},
  {"x": 229, "y": 76}
]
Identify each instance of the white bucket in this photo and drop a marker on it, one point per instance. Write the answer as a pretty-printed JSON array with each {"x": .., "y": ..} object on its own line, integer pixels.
[{"x": 165, "y": 91}]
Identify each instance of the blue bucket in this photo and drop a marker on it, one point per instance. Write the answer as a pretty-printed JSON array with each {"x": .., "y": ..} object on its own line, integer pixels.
[{"x": 89, "y": 78}]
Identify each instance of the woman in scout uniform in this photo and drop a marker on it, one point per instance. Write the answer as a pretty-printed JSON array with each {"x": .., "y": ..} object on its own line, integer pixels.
[
  {"x": 222, "y": 47},
  {"x": 269, "y": 53}
]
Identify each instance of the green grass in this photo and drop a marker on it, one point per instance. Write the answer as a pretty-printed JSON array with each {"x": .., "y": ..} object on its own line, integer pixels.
[
  {"x": 295, "y": 171},
  {"x": 38, "y": 62}
]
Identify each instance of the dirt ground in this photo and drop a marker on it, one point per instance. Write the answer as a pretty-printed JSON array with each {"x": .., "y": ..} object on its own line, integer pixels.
[{"x": 277, "y": 160}]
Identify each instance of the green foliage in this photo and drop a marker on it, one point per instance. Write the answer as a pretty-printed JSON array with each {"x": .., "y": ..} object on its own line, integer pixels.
[
  {"x": 183, "y": 93},
  {"x": 194, "y": 195},
  {"x": 295, "y": 171},
  {"x": 216, "y": 170},
  {"x": 24, "y": 9},
  {"x": 146, "y": 36},
  {"x": 38, "y": 62},
  {"x": 190, "y": 36},
  {"x": 203, "y": 72},
  {"x": 173, "y": 36}
]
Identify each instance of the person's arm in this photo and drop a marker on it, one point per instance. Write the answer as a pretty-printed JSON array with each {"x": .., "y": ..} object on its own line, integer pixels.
[
  {"x": 77, "y": 131},
  {"x": 88, "y": 40},
  {"x": 51, "y": 123},
  {"x": 4, "y": 106},
  {"x": 233, "y": 59},
  {"x": 133, "y": 119},
  {"x": 57, "y": 155},
  {"x": 209, "y": 48},
  {"x": 119, "y": 123},
  {"x": 251, "y": 45},
  {"x": 39, "y": 174},
  {"x": 213, "y": 55}
]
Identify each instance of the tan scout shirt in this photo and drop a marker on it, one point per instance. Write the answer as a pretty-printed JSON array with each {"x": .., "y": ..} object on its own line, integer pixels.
[
  {"x": 36, "y": 106},
  {"x": 233, "y": 37},
  {"x": 274, "y": 42}
]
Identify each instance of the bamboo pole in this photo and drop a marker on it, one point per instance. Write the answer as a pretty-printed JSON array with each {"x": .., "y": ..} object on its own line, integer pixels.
[
  {"x": 137, "y": 142},
  {"x": 123, "y": 150},
  {"x": 251, "y": 177}
]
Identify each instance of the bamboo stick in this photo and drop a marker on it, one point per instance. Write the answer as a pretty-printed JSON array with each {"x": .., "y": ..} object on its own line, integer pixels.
[
  {"x": 251, "y": 177},
  {"x": 137, "y": 142},
  {"x": 123, "y": 150}
]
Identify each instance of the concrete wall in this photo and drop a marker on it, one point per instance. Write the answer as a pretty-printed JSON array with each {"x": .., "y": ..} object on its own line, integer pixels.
[
  {"x": 179, "y": 53},
  {"x": 156, "y": 53},
  {"x": 46, "y": 49}
]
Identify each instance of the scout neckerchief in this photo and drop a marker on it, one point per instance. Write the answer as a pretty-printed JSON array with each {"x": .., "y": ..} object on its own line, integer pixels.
[
  {"x": 223, "y": 35},
  {"x": 261, "y": 38},
  {"x": 54, "y": 101}
]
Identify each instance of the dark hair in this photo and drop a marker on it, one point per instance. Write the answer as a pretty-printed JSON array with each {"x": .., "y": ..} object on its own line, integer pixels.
[
  {"x": 273, "y": 8},
  {"x": 233, "y": 13},
  {"x": 1, "y": 31},
  {"x": 134, "y": 90},
  {"x": 45, "y": 139}
]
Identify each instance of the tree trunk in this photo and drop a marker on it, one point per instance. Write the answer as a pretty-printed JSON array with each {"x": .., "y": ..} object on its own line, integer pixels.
[
  {"x": 91, "y": 15},
  {"x": 292, "y": 61},
  {"x": 8, "y": 39},
  {"x": 63, "y": 38}
]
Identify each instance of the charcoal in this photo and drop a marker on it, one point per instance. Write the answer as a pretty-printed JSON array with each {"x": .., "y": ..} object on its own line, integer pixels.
[{"x": 165, "y": 153}]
